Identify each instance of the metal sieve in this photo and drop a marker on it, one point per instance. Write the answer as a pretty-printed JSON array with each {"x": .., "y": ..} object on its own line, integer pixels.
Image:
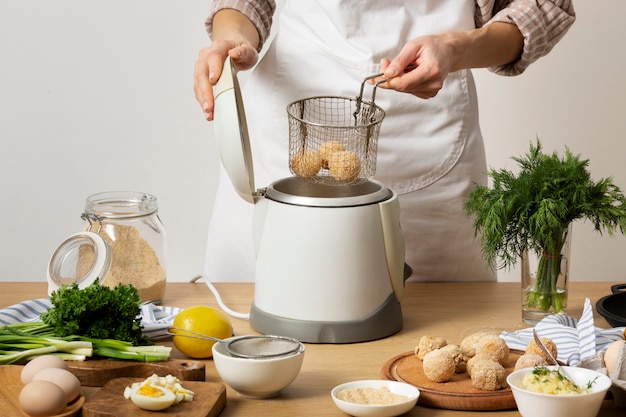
[
  {"x": 351, "y": 124},
  {"x": 249, "y": 347}
]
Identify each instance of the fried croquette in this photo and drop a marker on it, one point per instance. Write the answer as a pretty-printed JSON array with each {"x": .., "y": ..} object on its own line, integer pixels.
[
  {"x": 427, "y": 344},
  {"x": 530, "y": 360},
  {"x": 493, "y": 346},
  {"x": 488, "y": 375},
  {"x": 344, "y": 165},
  {"x": 532, "y": 347},
  {"x": 468, "y": 344},
  {"x": 326, "y": 150},
  {"x": 306, "y": 163},
  {"x": 439, "y": 366},
  {"x": 460, "y": 360}
]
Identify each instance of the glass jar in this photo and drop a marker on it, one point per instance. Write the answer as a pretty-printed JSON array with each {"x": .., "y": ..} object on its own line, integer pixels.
[
  {"x": 128, "y": 225},
  {"x": 545, "y": 280}
]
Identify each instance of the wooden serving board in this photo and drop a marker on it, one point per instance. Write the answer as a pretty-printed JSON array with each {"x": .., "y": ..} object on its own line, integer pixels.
[
  {"x": 209, "y": 400},
  {"x": 10, "y": 387},
  {"x": 457, "y": 394},
  {"x": 97, "y": 372}
]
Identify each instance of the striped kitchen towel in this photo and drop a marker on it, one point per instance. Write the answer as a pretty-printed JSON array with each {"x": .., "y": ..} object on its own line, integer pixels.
[
  {"x": 156, "y": 320},
  {"x": 576, "y": 340}
]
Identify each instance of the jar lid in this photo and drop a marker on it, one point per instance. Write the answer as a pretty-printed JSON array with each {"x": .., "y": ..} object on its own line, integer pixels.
[{"x": 81, "y": 258}]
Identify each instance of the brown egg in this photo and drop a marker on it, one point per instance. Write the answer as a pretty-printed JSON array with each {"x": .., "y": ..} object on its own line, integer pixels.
[
  {"x": 612, "y": 355},
  {"x": 42, "y": 399},
  {"x": 39, "y": 363},
  {"x": 68, "y": 382},
  {"x": 344, "y": 166},
  {"x": 306, "y": 163}
]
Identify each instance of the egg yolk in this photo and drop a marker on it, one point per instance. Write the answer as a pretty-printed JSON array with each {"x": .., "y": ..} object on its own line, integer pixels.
[{"x": 150, "y": 391}]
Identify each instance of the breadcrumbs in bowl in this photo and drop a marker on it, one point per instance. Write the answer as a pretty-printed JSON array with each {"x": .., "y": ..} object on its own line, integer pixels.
[{"x": 375, "y": 398}]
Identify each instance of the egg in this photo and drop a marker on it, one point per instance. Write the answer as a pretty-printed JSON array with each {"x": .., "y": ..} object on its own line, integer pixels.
[
  {"x": 612, "y": 354},
  {"x": 68, "y": 382},
  {"x": 39, "y": 363},
  {"x": 42, "y": 399},
  {"x": 152, "y": 398}
]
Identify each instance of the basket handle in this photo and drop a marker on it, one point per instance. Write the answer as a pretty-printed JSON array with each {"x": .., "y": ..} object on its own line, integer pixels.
[{"x": 359, "y": 99}]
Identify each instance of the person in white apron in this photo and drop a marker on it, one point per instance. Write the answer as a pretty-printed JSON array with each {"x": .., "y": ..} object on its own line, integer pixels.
[{"x": 430, "y": 151}]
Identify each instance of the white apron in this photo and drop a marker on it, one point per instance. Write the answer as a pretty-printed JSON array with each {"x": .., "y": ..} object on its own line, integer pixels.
[{"x": 429, "y": 151}]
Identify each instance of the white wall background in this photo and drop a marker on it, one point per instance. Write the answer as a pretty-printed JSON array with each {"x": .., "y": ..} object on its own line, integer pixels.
[{"x": 98, "y": 97}]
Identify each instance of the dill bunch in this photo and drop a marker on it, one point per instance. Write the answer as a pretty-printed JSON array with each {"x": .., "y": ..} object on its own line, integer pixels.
[{"x": 530, "y": 211}]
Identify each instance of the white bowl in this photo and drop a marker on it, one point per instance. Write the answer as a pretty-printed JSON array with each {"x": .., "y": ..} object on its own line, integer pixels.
[
  {"x": 376, "y": 410},
  {"x": 257, "y": 378},
  {"x": 533, "y": 404}
]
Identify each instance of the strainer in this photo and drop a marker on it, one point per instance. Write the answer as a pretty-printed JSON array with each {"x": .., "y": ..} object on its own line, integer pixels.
[
  {"x": 334, "y": 140},
  {"x": 250, "y": 346}
]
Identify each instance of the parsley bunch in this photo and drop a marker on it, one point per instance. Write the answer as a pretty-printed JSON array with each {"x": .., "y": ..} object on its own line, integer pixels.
[
  {"x": 531, "y": 211},
  {"x": 97, "y": 312}
]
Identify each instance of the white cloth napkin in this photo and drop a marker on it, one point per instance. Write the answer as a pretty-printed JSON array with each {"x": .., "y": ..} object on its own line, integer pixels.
[
  {"x": 576, "y": 340},
  {"x": 156, "y": 320}
]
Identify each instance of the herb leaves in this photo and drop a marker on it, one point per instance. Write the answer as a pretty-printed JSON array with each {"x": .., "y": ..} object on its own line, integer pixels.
[
  {"x": 97, "y": 312},
  {"x": 530, "y": 210}
]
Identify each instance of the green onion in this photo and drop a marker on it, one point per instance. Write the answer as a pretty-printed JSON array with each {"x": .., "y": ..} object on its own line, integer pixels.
[{"x": 21, "y": 342}]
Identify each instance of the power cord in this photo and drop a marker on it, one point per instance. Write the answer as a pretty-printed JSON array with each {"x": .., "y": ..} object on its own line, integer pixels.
[{"x": 218, "y": 298}]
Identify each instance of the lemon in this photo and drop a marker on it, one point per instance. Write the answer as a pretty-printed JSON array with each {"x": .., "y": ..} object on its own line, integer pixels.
[{"x": 202, "y": 320}]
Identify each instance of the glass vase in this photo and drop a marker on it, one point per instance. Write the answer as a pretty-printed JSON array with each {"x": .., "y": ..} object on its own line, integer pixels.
[{"x": 545, "y": 277}]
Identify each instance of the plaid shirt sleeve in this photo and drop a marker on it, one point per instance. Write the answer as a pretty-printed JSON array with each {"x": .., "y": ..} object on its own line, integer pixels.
[
  {"x": 542, "y": 22},
  {"x": 259, "y": 12}
]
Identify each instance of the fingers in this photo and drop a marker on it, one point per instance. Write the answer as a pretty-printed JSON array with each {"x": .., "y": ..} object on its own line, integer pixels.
[
  {"x": 209, "y": 66},
  {"x": 419, "y": 69},
  {"x": 207, "y": 70}
]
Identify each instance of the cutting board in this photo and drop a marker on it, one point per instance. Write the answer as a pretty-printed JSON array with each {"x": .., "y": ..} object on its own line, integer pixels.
[
  {"x": 10, "y": 387},
  {"x": 457, "y": 394},
  {"x": 209, "y": 400},
  {"x": 97, "y": 372}
]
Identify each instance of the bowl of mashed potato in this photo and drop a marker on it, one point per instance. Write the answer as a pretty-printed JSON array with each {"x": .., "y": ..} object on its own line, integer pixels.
[{"x": 565, "y": 392}]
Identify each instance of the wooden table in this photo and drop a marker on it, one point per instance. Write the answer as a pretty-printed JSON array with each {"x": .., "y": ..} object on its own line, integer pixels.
[{"x": 449, "y": 310}]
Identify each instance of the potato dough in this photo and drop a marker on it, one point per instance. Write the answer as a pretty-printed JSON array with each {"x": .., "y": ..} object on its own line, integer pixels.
[
  {"x": 344, "y": 165},
  {"x": 306, "y": 163}
]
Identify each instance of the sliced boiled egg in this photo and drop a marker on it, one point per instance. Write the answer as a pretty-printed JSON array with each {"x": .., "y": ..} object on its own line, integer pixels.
[{"x": 151, "y": 397}]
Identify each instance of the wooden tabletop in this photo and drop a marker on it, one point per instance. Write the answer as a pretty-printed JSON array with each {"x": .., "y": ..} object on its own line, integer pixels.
[{"x": 449, "y": 310}]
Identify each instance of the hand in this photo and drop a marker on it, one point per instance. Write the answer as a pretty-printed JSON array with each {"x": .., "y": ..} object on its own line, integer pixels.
[
  {"x": 209, "y": 66},
  {"x": 421, "y": 67}
]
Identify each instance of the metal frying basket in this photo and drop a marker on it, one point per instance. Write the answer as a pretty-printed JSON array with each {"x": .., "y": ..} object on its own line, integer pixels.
[{"x": 334, "y": 140}]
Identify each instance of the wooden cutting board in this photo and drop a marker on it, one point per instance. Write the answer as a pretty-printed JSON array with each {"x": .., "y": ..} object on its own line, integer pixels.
[
  {"x": 457, "y": 394},
  {"x": 97, "y": 372},
  {"x": 10, "y": 387},
  {"x": 209, "y": 400}
]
